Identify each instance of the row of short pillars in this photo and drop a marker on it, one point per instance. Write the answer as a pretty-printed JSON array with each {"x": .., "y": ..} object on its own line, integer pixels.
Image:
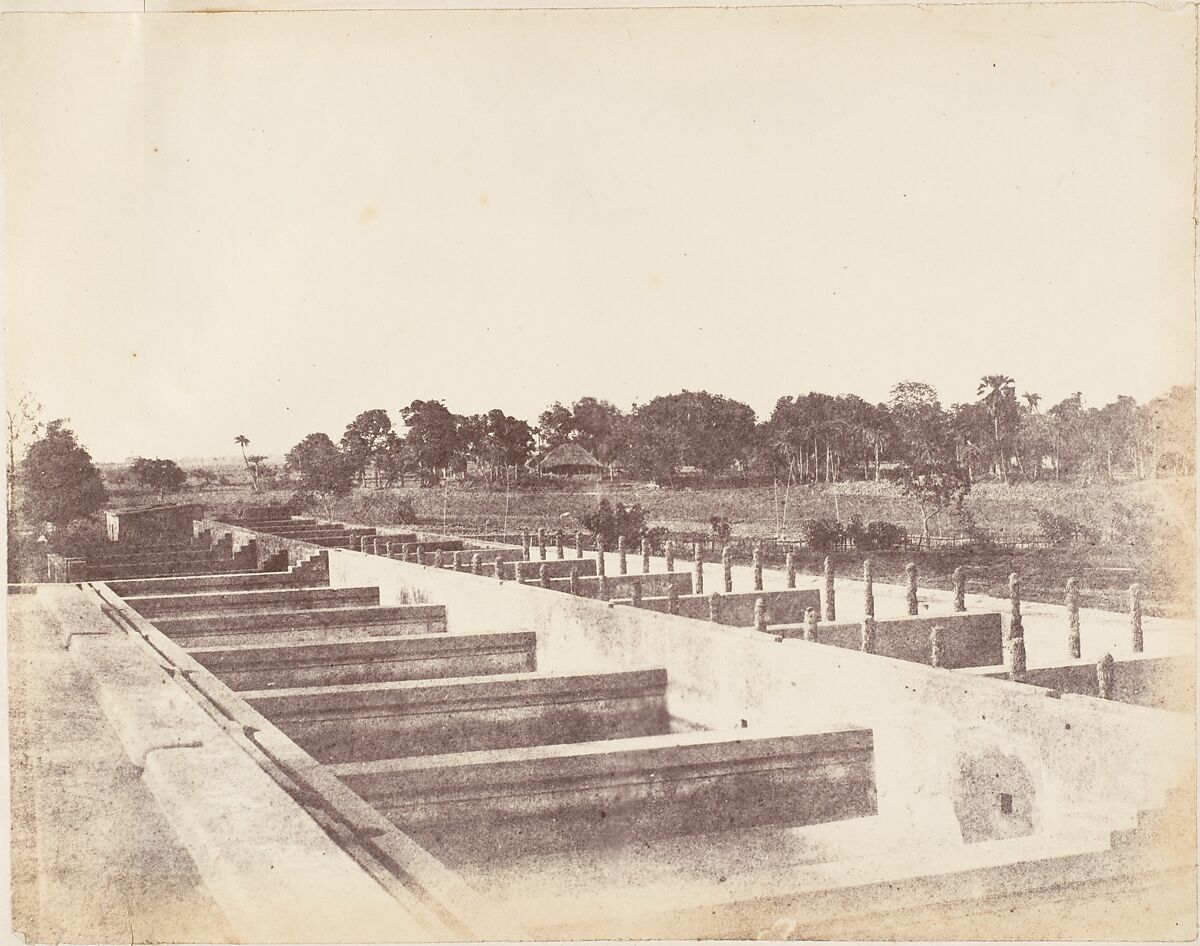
[
  {"x": 560, "y": 550},
  {"x": 1137, "y": 639},
  {"x": 1014, "y": 637}
]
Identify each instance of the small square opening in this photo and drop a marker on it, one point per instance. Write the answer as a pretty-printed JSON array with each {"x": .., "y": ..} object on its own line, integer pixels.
[{"x": 1005, "y": 803}]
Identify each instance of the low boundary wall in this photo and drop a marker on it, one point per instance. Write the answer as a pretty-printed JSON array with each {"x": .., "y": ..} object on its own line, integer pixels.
[{"x": 968, "y": 640}]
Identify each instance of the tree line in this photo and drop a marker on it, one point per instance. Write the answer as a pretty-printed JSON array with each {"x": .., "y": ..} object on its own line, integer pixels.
[{"x": 808, "y": 438}]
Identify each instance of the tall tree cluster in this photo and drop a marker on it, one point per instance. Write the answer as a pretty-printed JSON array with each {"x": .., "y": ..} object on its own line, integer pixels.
[{"x": 808, "y": 438}]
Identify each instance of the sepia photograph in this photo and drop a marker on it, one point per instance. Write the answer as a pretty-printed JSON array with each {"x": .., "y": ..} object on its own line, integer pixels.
[{"x": 547, "y": 475}]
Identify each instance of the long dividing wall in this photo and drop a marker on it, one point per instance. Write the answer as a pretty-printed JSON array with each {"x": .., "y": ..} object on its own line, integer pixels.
[{"x": 937, "y": 732}]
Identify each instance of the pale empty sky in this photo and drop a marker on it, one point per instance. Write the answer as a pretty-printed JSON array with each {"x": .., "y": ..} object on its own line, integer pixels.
[{"x": 264, "y": 224}]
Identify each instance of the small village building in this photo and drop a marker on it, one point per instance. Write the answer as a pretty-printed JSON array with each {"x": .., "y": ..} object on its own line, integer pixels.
[{"x": 570, "y": 460}]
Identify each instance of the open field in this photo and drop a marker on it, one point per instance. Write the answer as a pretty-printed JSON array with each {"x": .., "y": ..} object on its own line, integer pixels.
[
  {"x": 1160, "y": 509},
  {"x": 751, "y": 510}
]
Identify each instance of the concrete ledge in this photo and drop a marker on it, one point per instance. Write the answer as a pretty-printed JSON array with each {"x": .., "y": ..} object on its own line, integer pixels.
[
  {"x": 378, "y": 542},
  {"x": 429, "y": 545},
  {"x": 318, "y": 532},
  {"x": 191, "y": 554},
  {"x": 1167, "y": 683},
  {"x": 968, "y": 640},
  {"x": 215, "y": 566},
  {"x": 194, "y": 584},
  {"x": 621, "y": 791},
  {"x": 555, "y": 568},
  {"x": 621, "y": 586},
  {"x": 737, "y": 608},
  {"x": 315, "y": 625},
  {"x": 389, "y": 720},
  {"x": 249, "y": 602},
  {"x": 416, "y": 657}
]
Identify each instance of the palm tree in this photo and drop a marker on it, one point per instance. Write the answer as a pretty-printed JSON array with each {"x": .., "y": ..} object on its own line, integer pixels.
[
  {"x": 1033, "y": 400},
  {"x": 997, "y": 389},
  {"x": 243, "y": 441}
]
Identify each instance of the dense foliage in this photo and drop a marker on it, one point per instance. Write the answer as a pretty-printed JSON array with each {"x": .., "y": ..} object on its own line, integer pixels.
[
  {"x": 162, "y": 476},
  {"x": 59, "y": 482},
  {"x": 324, "y": 471},
  {"x": 611, "y": 523}
]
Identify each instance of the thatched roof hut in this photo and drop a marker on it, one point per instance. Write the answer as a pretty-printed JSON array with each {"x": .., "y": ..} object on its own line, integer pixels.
[{"x": 570, "y": 459}]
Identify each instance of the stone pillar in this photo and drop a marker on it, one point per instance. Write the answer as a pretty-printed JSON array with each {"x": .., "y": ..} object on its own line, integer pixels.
[
  {"x": 578, "y": 544},
  {"x": 573, "y": 580},
  {"x": 600, "y": 556},
  {"x": 1135, "y": 616},
  {"x": 910, "y": 575},
  {"x": 669, "y": 551},
  {"x": 672, "y": 600},
  {"x": 868, "y": 590},
  {"x": 960, "y": 589},
  {"x": 637, "y": 594},
  {"x": 1073, "y": 640},
  {"x": 791, "y": 569},
  {"x": 868, "y": 635},
  {"x": 760, "y": 614},
  {"x": 525, "y": 544},
  {"x": 499, "y": 566},
  {"x": 1105, "y": 667},
  {"x": 1014, "y": 655},
  {"x": 560, "y": 552},
  {"x": 935, "y": 646},
  {"x": 1015, "y": 628},
  {"x": 698, "y": 579},
  {"x": 622, "y": 558},
  {"x": 439, "y": 560},
  {"x": 602, "y": 588},
  {"x": 458, "y": 561},
  {"x": 476, "y": 564},
  {"x": 544, "y": 576},
  {"x": 714, "y": 607},
  {"x": 541, "y": 542},
  {"x": 756, "y": 561},
  {"x": 420, "y": 555},
  {"x": 645, "y": 556},
  {"x": 727, "y": 568},
  {"x": 830, "y": 594},
  {"x": 811, "y": 619}
]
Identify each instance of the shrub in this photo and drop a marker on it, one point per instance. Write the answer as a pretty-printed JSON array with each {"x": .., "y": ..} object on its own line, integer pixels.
[
  {"x": 614, "y": 522},
  {"x": 856, "y": 532},
  {"x": 404, "y": 511},
  {"x": 885, "y": 536},
  {"x": 721, "y": 529},
  {"x": 821, "y": 535},
  {"x": 1057, "y": 530}
]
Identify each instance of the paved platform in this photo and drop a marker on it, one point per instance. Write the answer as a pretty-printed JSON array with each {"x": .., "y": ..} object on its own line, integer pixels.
[{"x": 125, "y": 877}]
